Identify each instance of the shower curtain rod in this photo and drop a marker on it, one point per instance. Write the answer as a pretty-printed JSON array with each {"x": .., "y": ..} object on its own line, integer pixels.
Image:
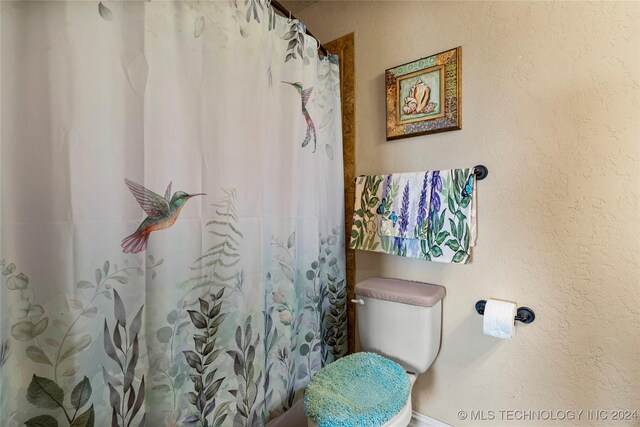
[{"x": 287, "y": 14}]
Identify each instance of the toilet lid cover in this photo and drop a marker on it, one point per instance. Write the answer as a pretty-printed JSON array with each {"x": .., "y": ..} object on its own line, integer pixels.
[{"x": 362, "y": 389}]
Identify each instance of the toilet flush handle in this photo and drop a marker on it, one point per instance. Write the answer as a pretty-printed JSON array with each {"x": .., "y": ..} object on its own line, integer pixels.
[{"x": 358, "y": 301}]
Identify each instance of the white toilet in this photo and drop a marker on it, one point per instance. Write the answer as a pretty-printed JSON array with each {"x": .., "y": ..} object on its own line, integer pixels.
[{"x": 400, "y": 321}]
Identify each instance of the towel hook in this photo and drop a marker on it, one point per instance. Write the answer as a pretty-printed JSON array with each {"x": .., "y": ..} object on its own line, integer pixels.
[
  {"x": 481, "y": 172},
  {"x": 523, "y": 314}
]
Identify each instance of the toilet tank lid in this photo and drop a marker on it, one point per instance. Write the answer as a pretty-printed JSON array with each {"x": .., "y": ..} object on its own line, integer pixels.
[{"x": 402, "y": 291}]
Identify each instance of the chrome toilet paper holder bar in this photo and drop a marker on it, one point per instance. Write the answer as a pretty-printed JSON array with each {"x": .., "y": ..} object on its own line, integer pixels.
[{"x": 523, "y": 314}]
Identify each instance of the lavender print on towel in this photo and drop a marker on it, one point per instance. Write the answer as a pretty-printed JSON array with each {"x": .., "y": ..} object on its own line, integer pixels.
[
  {"x": 405, "y": 215},
  {"x": 426, "y": 215}
]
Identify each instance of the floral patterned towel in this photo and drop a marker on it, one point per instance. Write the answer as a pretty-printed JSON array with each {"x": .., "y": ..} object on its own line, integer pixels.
[
  {"x": 405, "y": 215},
  {"x": 446, "y": 236}
]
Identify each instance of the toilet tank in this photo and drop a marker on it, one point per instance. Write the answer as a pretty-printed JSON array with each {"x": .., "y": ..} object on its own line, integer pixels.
[{"x": 400, "y": 320}]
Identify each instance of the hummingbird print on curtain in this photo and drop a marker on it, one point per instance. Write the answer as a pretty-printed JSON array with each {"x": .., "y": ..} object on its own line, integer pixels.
[
  {"x": 162, "y": 213},
  {"x": 305, "y": 94}
]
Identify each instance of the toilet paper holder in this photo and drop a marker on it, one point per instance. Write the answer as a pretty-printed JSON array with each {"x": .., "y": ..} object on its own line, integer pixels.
[{"x": 523, "y": 314}]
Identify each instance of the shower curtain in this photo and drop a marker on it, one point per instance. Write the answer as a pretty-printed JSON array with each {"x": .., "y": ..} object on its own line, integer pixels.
[{"x": 171, "y": 213}]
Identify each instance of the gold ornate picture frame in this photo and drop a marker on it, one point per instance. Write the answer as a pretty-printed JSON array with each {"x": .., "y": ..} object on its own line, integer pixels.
[{"x": 424, "y": 96}]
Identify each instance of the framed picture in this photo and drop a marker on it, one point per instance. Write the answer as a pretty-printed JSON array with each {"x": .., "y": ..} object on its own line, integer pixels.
[{"x": 424, "y": 96}]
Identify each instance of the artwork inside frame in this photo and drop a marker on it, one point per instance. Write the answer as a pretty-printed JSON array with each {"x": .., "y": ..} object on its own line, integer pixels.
[{"x": 424, "y": 96}]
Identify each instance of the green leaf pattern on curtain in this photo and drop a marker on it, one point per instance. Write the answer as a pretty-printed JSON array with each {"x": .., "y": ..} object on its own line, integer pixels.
[
  {"x": 302, "y": 329},
  {"x": 58, "y": 346}
]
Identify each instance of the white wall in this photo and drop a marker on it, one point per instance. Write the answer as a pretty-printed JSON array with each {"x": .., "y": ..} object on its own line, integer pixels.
[{"x": 551, "y": 101}]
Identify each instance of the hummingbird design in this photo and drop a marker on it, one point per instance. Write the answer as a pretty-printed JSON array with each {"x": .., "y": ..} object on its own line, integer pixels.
[
  {"x": 162, "y": 213},
  {"x": 305, "y": 94}
]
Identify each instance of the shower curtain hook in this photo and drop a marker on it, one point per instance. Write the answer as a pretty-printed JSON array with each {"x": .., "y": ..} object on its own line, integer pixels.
[
  {"x": 327, "y": 55},
  {"x": 289, "y": 21}
]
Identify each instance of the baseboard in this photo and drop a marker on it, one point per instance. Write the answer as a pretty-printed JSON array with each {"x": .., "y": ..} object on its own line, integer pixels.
[{"x": 420, "y": 420}]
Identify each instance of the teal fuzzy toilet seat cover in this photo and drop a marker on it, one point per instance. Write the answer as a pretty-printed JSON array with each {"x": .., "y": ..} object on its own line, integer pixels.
[{"x": 359, "y": 390}]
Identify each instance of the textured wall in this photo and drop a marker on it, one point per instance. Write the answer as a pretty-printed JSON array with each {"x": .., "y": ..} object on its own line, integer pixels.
[{"x": 551, "y": 95}]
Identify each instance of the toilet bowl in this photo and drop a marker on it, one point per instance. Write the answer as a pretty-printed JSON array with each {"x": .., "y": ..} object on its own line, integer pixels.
[
  {"x": 399, "y": 321},
  {"x": 402, "y": 418}
]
